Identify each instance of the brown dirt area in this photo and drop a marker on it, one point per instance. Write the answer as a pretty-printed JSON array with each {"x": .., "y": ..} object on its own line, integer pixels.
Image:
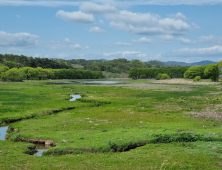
[
  {"x": 164, "y": 85},
  {"x": 184, "y": 81},
  {"x": 158, "y": 87},
  {"x": 211, "y": 113}
]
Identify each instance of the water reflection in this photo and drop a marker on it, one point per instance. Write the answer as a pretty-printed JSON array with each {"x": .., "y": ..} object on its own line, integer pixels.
[
  {"x": 41, "y": 148},
  {"x": 74, "y": 97},
  {"x": 88, "y": 82},
  {"x": 3, "y": 132}
]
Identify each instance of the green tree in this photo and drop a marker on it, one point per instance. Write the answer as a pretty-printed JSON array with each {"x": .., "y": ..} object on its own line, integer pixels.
[
  {"x": 220, "y": 66},
  {"x": 42, "y": 73},
  {"x": 33, "y": 73},
  {"x": 12, "y": 75},
  {"x": 212, "y": 71},
  {"x": 192, "y": 72}
]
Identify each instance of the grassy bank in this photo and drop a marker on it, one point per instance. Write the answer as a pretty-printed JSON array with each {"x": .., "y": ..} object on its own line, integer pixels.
[{"x": 113, "y": 127}]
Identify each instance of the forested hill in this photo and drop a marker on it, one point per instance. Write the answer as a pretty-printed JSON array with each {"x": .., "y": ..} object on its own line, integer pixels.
[
  {"x": 120, "y": 65},
  {"x": 18, "y": 61}
]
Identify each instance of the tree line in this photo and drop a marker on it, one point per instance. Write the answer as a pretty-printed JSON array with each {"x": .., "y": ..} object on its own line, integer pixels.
[
  {"x": 150, "y": 73},
  {"x": 18, "y": 61},
  {"x": 29, "y": 73},
  {"x": 211, "y": 71},
  {"x": 123, "y": 65}
]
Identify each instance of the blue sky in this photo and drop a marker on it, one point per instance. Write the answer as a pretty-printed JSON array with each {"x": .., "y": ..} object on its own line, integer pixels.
[{"x": 170, "y": 30}]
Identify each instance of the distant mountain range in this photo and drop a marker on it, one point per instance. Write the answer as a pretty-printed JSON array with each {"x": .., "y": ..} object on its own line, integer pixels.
[{"x": 201, "y": 63}]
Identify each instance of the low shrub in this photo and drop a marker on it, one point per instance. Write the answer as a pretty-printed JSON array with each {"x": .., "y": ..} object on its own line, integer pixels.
[
  {"x": 181, "y": 137},
  {"x": 197, "y": 78},
  {"x": 162, "y": 76}
]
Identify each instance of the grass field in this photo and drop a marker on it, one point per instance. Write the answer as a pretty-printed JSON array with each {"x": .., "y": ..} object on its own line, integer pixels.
[{"x": 143, "y": 124}]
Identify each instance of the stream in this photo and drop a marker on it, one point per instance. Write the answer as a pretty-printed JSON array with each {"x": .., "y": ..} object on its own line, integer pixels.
[{"x": 41, "y": 148}]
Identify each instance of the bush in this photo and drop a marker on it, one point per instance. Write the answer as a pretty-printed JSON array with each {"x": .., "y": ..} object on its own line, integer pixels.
[
  {"x": 197, "y": 78},
  {"x": 13, "y": 75},
  {"x": 143, "y": 76},
  {"x": 212, "y": 71},
  {"x": 192, "y": 72},
  {"x": 162, "y": 76},
  {"x": 165, "y": 76}
]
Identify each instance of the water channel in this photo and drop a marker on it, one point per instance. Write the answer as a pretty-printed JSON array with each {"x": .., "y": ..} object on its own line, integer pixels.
[{"x": 41, "y": 148}]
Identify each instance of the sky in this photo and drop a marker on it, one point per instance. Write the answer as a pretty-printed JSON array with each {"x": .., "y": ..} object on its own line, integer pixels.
[{"x": 165, "y": 30}]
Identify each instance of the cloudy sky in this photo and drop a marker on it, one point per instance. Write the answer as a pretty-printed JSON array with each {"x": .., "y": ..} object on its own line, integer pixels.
[{"x": 165, "y": 30}]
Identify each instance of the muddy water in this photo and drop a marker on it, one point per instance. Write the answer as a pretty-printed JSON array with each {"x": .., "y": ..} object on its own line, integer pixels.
[
  {"x": 74, "y": 97},
  {"x": 3, "y": 132},
  {"x": 41, "y": 148}
]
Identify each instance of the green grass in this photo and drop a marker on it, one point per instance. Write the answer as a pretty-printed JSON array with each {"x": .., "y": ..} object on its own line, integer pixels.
[{"x": 107, "y": 119}]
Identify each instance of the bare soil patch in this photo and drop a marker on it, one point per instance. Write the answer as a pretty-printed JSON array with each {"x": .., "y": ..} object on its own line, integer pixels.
[
  {"x": 158, "y": 87},
  {"x": 184, "y": 81},
  {"x": 209, "y": 113}
]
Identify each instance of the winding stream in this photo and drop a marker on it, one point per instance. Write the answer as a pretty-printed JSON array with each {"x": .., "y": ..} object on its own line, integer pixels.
[{"x": 41, "y": 148}]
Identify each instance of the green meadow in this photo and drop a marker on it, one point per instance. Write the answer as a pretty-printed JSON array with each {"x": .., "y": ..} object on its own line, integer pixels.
[{"x": 171, "y": 126}]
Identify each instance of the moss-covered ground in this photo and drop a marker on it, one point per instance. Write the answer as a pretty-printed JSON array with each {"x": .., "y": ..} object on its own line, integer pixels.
[{"x": 109, "y": 123}]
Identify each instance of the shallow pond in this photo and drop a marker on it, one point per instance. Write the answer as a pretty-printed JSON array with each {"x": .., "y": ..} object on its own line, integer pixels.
[
  {"x": 88, "y": 82},
  {"x": 41, "y": 148},
  {"x": 74, "y": 97}
]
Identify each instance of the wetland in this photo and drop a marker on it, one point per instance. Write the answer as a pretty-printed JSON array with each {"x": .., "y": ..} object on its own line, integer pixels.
[{"x": 144, "y": 124}]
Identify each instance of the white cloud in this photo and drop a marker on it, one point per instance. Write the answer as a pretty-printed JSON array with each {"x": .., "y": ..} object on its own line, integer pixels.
[
  {"x": 18, "y": 16},
  {"x": 144, "y": 40},
  {"x": 186, "y": 41},
  {"x": 78, "y": 47},
  {"x": 178, "y": 15},
  {"x": 121, "y": 4},
  {"x": 146, "y": 23},
  {"x": 176, "y": 2},
  {"x": 91, "y": 8},
  {"x": 213, "y": 53},
  {"x": 76, "y": 17},
  {"x": 124, "y": 53},
  {"x": 166, "y": 38},
  {"x": 200, "y": 51},
  {"x": 18, "y": 39},
  {"x": 56, "y": 46},
  {"x": 13, "y": 49},
  {"x": 68, "y": 41},
  {"x": 122, "y": 44},
  {"x": 96, "y": 30},
  {"x": 195, "y": 26},
  {"x": 101, "y": 21},
  {"x": 210, "y": 39},
  {"x": 75, "y": 46},
  {"x": 38, "y": 3},
  {"x": 63, "y": 55}
]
